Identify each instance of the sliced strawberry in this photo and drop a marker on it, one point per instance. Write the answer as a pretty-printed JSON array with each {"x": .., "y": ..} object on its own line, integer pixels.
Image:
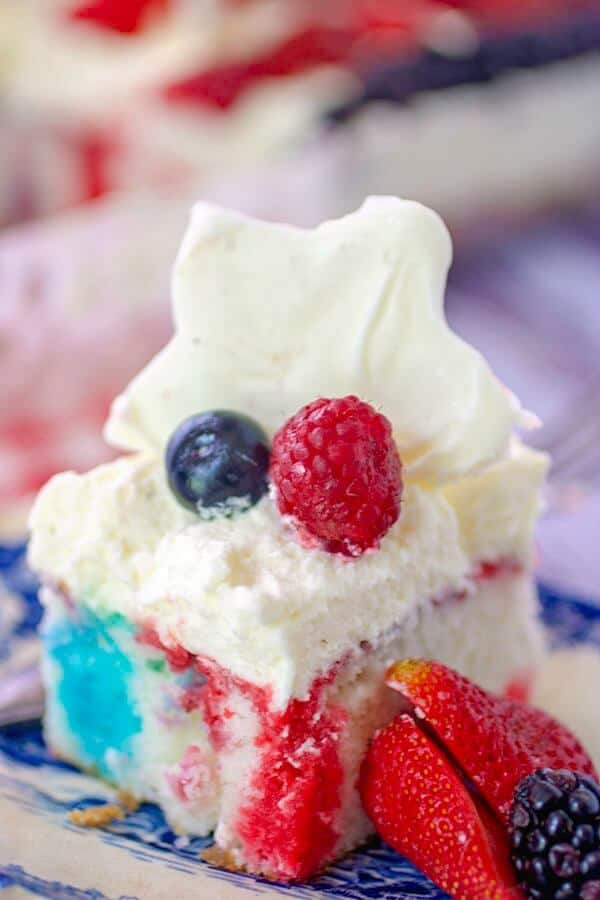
[
  {"x": 421, "y": 807},
  {"x": 495, "y": 741},
  {"x": 123, "y": 16}
]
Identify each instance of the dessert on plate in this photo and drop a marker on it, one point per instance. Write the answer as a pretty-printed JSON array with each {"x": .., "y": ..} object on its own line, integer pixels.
[
  {"x": 367, "y": 96},
  {"x": 320, "y": 479}
]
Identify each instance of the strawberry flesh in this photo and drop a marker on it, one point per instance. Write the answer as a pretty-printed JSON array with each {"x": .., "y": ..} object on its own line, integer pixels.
[
  {"x": 495, "y": 740},
  {"x": 422, "y": 808},
  {"x": 438, "y": 782}
]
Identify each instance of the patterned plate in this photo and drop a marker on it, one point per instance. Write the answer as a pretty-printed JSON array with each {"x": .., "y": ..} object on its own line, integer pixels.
[{"x": 43, "y": 854}]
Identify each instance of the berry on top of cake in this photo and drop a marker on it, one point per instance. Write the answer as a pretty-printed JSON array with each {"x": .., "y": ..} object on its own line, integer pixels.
[
  {"x": 337, "y": 473},
  {"x": 322, "y": 478}
]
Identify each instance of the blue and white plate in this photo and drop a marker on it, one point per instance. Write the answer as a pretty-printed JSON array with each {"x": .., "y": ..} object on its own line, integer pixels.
[{"x": 43, "y": 854}]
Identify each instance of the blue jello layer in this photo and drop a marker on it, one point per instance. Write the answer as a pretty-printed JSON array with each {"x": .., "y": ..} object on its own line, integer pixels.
[{"x": 95, "y": 686}]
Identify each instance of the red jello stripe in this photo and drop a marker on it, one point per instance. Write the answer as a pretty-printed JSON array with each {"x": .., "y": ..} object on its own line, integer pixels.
[
  {"x": 221, "y": 86},
  {"x": 289, "y": 818},
  {"x": 487, "y": 569},
  {"x": 95, "y": 155},
  {"x": 287, "y": 821},
  {"x": 122, "y": 16},
  {"x": 177, "y": 657}
]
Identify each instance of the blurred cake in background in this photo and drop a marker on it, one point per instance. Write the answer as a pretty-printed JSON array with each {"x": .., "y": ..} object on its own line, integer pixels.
[
  {"x": 72, "y": 72},
  {"x": 457, "y": 103},
  {"x": 491, "y": 113},
  {"x": 83, "y": 307}
]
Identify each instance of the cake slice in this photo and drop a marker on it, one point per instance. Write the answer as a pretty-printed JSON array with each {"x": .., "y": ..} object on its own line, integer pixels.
[{"x": 222, "y": 602}]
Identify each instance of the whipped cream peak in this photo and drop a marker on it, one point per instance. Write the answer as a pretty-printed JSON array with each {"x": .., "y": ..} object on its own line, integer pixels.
[{"x": 269, "y": 317}]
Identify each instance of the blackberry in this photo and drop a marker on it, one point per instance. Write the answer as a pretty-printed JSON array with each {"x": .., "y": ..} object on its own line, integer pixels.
[
  {"x": 217, "y": 463},
  {"x": 554, "y": 828}
]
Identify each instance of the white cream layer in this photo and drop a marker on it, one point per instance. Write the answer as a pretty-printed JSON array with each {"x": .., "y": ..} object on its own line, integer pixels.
[{"x": 243, "y": 591}]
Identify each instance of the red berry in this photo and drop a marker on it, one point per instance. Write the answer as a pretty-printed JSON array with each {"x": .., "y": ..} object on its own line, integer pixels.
[
  {"x": 438, "y": 782},
  {"x": 338, "y": 475},
  {"x": 421, "y": 807},
  {"x": 496, "y": 741}
]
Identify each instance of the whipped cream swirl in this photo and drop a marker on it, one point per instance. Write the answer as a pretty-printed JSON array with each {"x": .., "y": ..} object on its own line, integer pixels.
[{"x": 269, "y": 317}]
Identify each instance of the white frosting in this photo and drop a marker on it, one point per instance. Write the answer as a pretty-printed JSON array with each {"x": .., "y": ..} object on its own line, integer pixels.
[
  {"x": 243, "y": 591},
  {"x": 269, "y": 317}
]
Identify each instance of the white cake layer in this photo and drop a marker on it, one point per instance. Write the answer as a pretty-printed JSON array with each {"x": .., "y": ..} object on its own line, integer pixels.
[
  {"x": 217, "y": 785},
  {"x": 492, "y": 638},
  {"x": 243, "y": 591}
]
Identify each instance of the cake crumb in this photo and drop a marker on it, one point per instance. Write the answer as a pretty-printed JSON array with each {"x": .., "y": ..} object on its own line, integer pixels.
[
  {"x": 223, "y": 859},
  {"x": 127, "y": 801},
  {"x": 96, "y": 816}
]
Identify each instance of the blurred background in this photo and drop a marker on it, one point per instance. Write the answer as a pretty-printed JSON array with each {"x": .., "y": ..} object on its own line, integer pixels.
[{"x": 116, "y": 115}]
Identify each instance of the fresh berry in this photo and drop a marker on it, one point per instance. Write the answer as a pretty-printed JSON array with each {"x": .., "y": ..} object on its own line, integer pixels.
[
  {"x": 554, "y": 827},
  {"x": 123, "y": 16},
  {"x": 217, "y": 463},
  {"x": 421, "y": 807},
  {"x": 497, "y": 741},
  {"x": 439, "y": 782},
  {"x": 337, "y": 474}
]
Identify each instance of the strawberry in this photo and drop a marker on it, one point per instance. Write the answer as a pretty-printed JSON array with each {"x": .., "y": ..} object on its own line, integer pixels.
[
  {"x": 496, "y": 741},
  {"x": 423, "y": 810},
  {"x": 439, "y": 781}
]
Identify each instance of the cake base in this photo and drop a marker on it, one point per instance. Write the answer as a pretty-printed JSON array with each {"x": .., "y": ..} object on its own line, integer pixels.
[{"x": 278, "y": 785}]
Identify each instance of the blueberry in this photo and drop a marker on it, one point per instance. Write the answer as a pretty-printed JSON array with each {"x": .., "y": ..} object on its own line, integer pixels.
[
  {"x": 590, "y": 891},
  {"x": 217, "y": 463}
]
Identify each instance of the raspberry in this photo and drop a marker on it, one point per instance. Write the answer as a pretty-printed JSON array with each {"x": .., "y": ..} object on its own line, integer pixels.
[{"x": 338, "y": 475}]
